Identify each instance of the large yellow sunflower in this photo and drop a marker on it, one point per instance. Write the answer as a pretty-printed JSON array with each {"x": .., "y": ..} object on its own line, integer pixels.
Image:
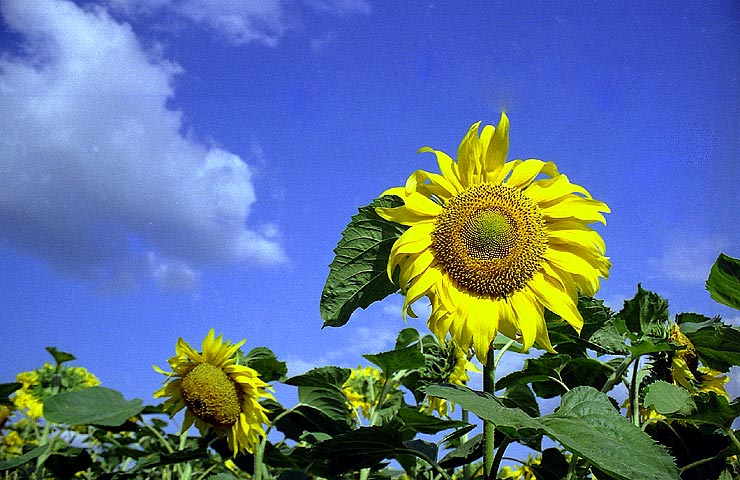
[
  {"x": 494, "y": 243},
  {"x": 217, "y": 392}
]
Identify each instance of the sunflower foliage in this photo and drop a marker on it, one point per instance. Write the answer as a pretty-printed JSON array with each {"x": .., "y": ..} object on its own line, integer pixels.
[{"x": 650, "y": 383}]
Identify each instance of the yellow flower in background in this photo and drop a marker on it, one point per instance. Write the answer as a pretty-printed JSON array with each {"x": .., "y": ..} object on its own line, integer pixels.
[
  {"x": 12, "y": 444},
  {"x": 216, "y": 392},
  {"x": 362, "y": 388},
  {"x": 47, "y": 381},
  {"x": 522, "y": 472},
  {"x": 494, "y": 243}
]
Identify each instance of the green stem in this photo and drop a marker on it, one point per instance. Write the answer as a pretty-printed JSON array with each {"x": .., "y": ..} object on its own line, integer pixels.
[
  {"x": 634, "y": 386},
  {"x": 489, "y": 386},
  {"x": 733, "y": 438},
  {"x": 467, "y": 469},
  {"x": 617, "y": 375},
  {"x": 186, "y": 469}
]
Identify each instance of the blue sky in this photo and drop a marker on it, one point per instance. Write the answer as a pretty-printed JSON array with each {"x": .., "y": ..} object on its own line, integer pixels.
[{"x": 172, "y": 166}]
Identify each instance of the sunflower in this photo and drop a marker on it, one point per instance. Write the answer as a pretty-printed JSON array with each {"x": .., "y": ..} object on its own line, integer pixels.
[
  {"x": 41, "y": 383},
  {"x": 457, "y": 375},
  {"x": 362, "y": 389},
  {"x": 216, "y": 392},
  {"x": 686, "y": 372},
  {"x": 493, "y": 244}
]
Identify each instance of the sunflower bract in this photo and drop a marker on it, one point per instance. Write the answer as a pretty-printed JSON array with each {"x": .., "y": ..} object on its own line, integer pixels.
[{"x": 493, "y": 244}]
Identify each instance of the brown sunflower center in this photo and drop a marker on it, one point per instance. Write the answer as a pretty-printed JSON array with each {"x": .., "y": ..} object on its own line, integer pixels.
[
  {"x": 211, "y": 395},
  {"x": 490, "y": 239}
]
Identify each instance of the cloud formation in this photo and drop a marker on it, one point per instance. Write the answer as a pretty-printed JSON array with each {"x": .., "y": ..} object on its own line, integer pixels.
[
  {"x": 239, "y": 22},
  {"x": 95, "y": 170},
  {"x": 688, "y": 258}
]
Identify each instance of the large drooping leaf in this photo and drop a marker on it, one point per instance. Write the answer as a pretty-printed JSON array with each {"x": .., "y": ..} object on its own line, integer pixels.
[
  {"x": 645, "y": 314},
  {"x": 724, "y": 281},
  {"x": 717, "y": 344},
  {"x": 365, "y": 447},
  {"x": 393, "y": 361},
  {"x": 586, "y": 424},
  {"x": 358, "y": 274},
  {"x": 266, "y": 363},
  {"x": 91, "y": 406},
  {"x": 668, "y": 399},
  {"x": 321, "y": 389}
]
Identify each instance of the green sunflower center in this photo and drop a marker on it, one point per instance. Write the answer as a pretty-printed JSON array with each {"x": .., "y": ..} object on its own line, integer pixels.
[
  {"x": 211, "y": 395},
  {"x": 490, "y": 239}
]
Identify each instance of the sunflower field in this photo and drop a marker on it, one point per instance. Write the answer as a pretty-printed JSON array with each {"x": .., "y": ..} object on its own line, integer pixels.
[{"x": 501, "y": 257}]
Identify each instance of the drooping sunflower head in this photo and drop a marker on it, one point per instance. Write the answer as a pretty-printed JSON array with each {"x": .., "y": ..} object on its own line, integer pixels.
[
  {"x": 443, "y": 364},
  {"x": 493, "y": 244},
  {"x": 216, "y": 392},
  {"x": 686, "y": 371}
]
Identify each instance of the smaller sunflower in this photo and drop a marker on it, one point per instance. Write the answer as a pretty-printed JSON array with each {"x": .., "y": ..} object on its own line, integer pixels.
[
  {"x": 216, "y": 392},
  {"x": 362, "y": 389},
  {"x": 41, "y": 383},
  {"x": 445, "y": 364},
  {"x": 686, "y": 372}
]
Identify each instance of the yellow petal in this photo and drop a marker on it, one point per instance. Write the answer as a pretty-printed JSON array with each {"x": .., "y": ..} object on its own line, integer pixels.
[
  {"x": 483, "y": 318},
  {"x": 547, "y": 190},
  {"x": 556, "y": 300},
  {"x": 469, "y": 156},
  {"x": 429, "y": 184},
  {"x": 498, "y": 147},
  {"x": 524, "y": 173},
  {"x": 447, "y": 167},
  {"x": 584, "y": 209},
  {"x": 527, "y": 314},
  {"x": 417, "y": 266}
]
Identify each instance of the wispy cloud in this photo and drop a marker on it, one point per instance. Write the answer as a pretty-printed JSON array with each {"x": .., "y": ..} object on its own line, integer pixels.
[
  {"x": 239, "y": 22},
  {"x": 688, "y": 258},
  {"x": 95, "y": 169}
]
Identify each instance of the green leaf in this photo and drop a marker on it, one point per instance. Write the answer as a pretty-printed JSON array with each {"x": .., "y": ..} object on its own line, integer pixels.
[
  {"x": 25, "y": 458},
  {"x": 160, "y": 460},
  {"x": 91, "y": 406},
  {"x": 713, "y": 409},
  {"x": 60, "y": 357},
  {"x": 6, "y": 390},
  {"x": 304, "y": 418},
  {"x": 357, "y": 275},
  {"x": 512, "y": 422},
  {"x": 321, "y": 376},
  {"x": 419, "y": 422},
  {"x": 645, "y": 314},
  {"x": 717, "y": 344},
  {"x": 668, "y": 399},
  {"x": 264, "y": 361},
  {"x": 586, "y": 424},
  {"x": 406, "y": 337},
  {"x": 393, "y": 361},
  {"x": 610, "y": 338},
  {"x": 724, "y": 281},
  {"x": 543, "y": 373},
  {"x": 321, "y": 388},
  {"x": 465, "y": 454},
  {"x": 564, "y": 337},
  {"x": 365, "y": 447}
]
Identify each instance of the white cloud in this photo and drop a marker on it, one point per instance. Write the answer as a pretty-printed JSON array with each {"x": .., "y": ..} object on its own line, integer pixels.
[
  {"x": 240, "y": 22},
  {"x": 689, "y": 258},
  {"x": 95, "y": 169}
]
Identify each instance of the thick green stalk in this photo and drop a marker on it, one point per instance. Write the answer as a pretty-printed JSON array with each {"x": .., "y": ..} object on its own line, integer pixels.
[{"x": 489, "y": 386}]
